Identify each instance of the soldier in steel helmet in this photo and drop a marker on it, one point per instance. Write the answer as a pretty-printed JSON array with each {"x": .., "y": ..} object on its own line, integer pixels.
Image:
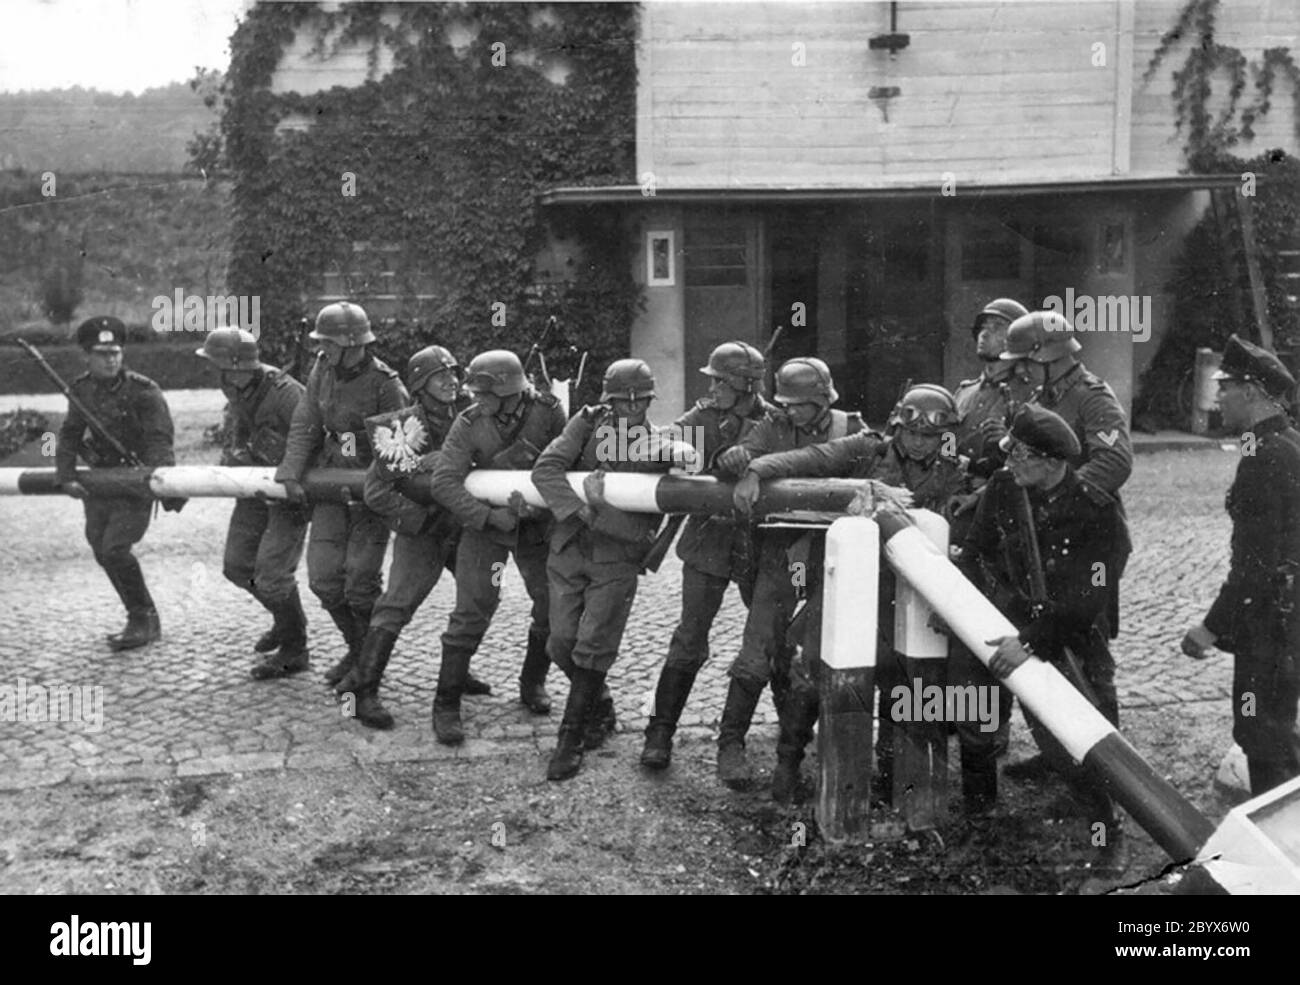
[
  {"x": 264, "y": 540},
  {"x": 913, "y": 457},
  {"x": 1256, "y": 615},
  {"x": 406, "y": 444},
  {"x": 982, "y": 401},
  {"x": 345, "y": 548},
  {"x": 1082, "y": 541},
  {"x": 596, "y": 550},
  {"x": 714, "y": 550},
  {"x": 805, "y": 393},
  {"x": 132, "y": 409},
  {"x": 507, "y": 427}
]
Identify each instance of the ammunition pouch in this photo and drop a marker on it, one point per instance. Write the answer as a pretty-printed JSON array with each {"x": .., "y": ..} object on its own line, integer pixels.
[{"x": 267, "y": 446}]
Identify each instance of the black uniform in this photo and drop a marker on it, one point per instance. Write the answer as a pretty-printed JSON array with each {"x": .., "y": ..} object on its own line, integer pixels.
[
  {"x": 1255, "y": 615},
  {"x": 1079, "y": 527}
]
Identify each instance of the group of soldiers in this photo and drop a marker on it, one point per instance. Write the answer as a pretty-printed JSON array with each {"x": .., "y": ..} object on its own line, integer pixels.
[{"x": 1025, "y": 462}]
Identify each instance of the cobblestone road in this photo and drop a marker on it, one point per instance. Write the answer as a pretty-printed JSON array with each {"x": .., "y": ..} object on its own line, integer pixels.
[{"x": 186, "y": 705}]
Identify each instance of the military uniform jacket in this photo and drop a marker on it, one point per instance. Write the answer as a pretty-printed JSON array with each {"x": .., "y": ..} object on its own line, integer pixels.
[
  {"x": 132, "y": 408},
  {"x": 258, "y": 419},
  {"x": 1078, "y": 527},
  {"x": 774, "y": 432},
  {"x": 1260, "y": 594},
  {"x": 331, "y": 417},
  {"x": 708, "y": 543},
  {"x": 484, "y": 441},
  {"x": 978, "y": 400},
  {"x": 1089, "y": 405},
  {"x": 406, "y": 444},
  {"x": 616, "y": 536}
]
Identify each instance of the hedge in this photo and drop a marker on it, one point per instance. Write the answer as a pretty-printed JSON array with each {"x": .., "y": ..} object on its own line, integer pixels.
[{"x": 170, "y": 365}]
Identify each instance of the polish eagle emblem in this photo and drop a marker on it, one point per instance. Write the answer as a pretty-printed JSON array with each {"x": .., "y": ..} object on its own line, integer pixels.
[{"x": 400, "y": 442}]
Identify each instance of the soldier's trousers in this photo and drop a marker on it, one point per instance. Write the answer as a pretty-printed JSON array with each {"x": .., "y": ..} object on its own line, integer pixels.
[
  {"x": 418, "y": 561},
  {"x": 113, "y": 527},
  {"x": 763, "y": 650},
  {"x": 590, "y": 604},
  {"x": 480, "y": 563},
  {"x": 264, "y": 544},
  {"x": 345, "y": 555},
  {"x": 702, "y": 595},
  {"x": 1265, "y": 693}
]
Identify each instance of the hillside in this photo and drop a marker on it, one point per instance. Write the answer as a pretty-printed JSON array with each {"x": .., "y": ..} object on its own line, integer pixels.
[{"x": 82, "y": 130}]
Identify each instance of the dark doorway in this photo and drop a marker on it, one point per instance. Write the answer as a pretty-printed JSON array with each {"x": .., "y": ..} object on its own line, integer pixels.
[
  {"x": 792, "y": 285},
  {"x": 718, "y": 261}
]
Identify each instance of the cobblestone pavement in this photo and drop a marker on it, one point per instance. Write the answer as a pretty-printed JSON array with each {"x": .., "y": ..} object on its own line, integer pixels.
[{"x": 186, "y": 706}]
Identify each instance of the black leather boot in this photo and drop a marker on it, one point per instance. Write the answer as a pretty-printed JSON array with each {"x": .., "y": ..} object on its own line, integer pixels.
[
  {"x": 447, "y": 725},
  {"x": 346, "y": 622},
  {"x": 670, "y": 698},
  {"x": 584, "y": 690},
  {"x": 742, "y": 698},
  {"x": 532, "y": 677},
  {"x": 375, "y": 651},
  {"x": 601, "y": 721},
  {"x": 142, "y": 624},
  {"x": 291, "y": 629},
  {"x": 797, "y": 721}
]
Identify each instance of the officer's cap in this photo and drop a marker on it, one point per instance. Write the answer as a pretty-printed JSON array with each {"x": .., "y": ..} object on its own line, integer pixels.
[
  {"x": 102, "y": 333},
  {"x": 1044, "y": 432},
  {"x": 1248, "y": 362}
]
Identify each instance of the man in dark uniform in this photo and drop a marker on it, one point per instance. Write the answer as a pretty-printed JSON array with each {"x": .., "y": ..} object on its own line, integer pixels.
[
  {"x": 1082, "y": 541},
  {"x": 345, "y": 549},
  {"x": 982, "y": 401},
  {"x": 911, "y": 458},
  {"x": 714, "y": 550},
  {"x": 506, "y": 428},
  {"x": 1256, "y": 616},
  {"x": 264, "y": 539},
  {"x": 132, "y": 409},
  {"x": 596, "y": 550},
  {"x": 805, "y": 391},
  {"x": 406, "y": 444}
]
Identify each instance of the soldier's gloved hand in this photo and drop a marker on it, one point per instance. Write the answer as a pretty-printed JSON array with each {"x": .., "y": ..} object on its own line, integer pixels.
[
  {"x": 593, "y": 488},
  {"x": 1198, "y": 642},
  {"x": 75, "y": 489},
  {"x": 500, "y": 518},
  {"x": 174, "y": 504},
  {"x": 935, "y": 622},
  {"x": 733, "y": 460},
  {"x": 293, "y": 491},
  {"x": 745, "y": 495},
  {"x": 1009, "y": 655},
  {"x": 520, "y": 507}
]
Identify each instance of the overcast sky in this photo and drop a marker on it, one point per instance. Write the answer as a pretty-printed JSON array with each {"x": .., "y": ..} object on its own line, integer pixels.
[{"x": 113, "y": 45}]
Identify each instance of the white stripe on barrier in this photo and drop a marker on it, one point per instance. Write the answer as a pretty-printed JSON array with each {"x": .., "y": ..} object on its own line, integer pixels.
[{"x": 850, "y": 589}]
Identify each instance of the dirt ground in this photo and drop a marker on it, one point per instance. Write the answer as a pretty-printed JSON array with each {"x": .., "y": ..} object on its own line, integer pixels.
[{"x": 487, "y": 822}]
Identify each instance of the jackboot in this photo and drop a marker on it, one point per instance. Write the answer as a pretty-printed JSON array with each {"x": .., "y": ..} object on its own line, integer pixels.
[
  {"x": 670, "y": 698},
  {"x": 375, "y": 651},
  {"x": 447, "y": 725},
  {"x": 360, "y": 627},
  {"x": 142, "y": 624},
  {"x": 476, "y": 688},
  {"x": 584, "y": 691},
  {"x": 797, "y": 721},
  {"x": 532, "y": 677},
  {"x": 343, "y": 619},
  {"x": 291, "y": 629},
  {"x": 742, "y": 698},
  {"x": 601, "y": 721}
]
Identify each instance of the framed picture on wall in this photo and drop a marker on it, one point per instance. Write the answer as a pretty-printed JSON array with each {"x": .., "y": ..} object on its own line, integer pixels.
[{"x": 660, "y": 254}]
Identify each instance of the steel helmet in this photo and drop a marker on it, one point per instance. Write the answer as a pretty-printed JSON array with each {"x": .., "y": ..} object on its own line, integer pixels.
[
  {"x": 738, "y": 364},
  {"x": 1004, "y": 308},
  {"x": 231, "y": 348},
  {"x": 805, "y": 380},
  {"x": 345, "y": 323},
  {"x": 628, "y": 379},
  {"x": 925, "y": 409},
  {"x": 427, "y": 362},
  {"x": 496, "y": 371},
  {"x": 1041, "y": 337}
]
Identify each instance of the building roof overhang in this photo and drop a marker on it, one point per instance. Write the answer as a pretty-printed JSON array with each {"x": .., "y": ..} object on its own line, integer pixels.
[{"x": 783, "y": 195}]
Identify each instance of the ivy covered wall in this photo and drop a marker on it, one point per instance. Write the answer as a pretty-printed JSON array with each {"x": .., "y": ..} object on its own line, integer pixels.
[{"x": 447, "y": 152}]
